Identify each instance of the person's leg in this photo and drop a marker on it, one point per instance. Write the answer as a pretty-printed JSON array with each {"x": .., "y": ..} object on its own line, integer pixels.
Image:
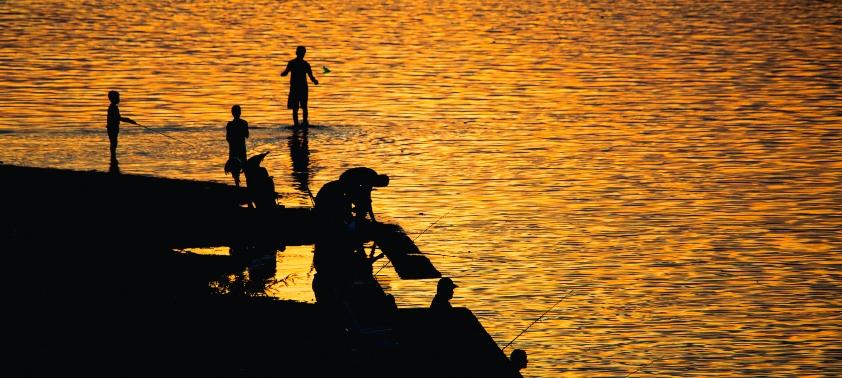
[
  {"x": 295, "y": 116},
  {"x": 304, "y": 108},
  {"x": 112, "y": 139}
]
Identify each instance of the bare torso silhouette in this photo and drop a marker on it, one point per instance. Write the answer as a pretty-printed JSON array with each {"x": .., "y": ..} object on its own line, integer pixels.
[{"x": 299, "y": 69}]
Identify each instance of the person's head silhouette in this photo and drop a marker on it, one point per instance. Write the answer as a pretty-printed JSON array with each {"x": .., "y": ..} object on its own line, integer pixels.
[
  {"x": 235, "y": 111},
  {"x": 114, "y": 96},
  {"x": 445, "y": 288},
  {"x": 300, "y": 51},
  {"x": 518, "y": 359}
]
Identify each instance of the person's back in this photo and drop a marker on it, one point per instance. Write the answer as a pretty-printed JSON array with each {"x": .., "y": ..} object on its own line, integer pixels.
[
  {"x": 236, "y": 132},
  {"x": 298, "y": 68},
  {"x": 360, "y": 181},
  {"x": 298, "y": 89},
  {"x": 332, "y": 204},
  {"x": 359, "y": 176}
]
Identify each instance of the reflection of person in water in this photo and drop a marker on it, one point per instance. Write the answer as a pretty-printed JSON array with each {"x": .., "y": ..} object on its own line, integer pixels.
[
  {"x": 299, "y": 153},
  {"x": 298, "y": 90}
]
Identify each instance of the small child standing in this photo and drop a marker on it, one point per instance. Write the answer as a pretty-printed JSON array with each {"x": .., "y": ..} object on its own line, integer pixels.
[
  {"x": 236, "y": 133},
  {"x": 113, "y": 122}
]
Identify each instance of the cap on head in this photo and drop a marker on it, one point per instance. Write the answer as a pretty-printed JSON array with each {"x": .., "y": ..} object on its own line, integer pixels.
[
  {"x": 236, "y": 111},
  {"x": 446, "y": 283},
  {"x": 300, "y": 51},
  {"x": 114, "y": 96},
  {"x": 380, "y": 181}
]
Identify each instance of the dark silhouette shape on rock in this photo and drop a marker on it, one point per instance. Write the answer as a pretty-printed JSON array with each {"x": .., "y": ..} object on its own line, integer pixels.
[
  {"x": 333, "y": 208},
  {"x": 298, "y": 89},
  {"x": 260, "y": 186}
]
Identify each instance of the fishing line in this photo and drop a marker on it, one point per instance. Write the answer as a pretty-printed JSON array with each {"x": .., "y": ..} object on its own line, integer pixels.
[
  {"x": 536, "y": 320},
  {"x": 419, "y": 235},
  {"x": 166, "y": 135}
]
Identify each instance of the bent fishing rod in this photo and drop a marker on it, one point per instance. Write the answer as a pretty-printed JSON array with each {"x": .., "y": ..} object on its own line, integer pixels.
[{"x": 536, "y": 320}]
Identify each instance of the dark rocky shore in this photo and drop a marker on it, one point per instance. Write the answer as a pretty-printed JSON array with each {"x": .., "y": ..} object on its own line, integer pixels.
[{"x": 99, "y": 290}]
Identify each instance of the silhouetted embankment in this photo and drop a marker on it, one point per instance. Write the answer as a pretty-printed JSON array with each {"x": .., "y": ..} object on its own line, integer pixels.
[{"x": 97, "y": 290}]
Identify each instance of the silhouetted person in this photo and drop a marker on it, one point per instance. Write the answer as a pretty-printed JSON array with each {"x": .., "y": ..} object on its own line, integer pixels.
[
  {"x": 236, "y": 132},
  {"x": 113, "y": 122},
  {"x": 359, "y": 183},
  {"x": 518, "y": 360},
  {"x": 298, "y": 90},
  {"x": 261, "y": 186},
  {"x": 444, "y": 293},
  {"x": 333, "y": 208}
]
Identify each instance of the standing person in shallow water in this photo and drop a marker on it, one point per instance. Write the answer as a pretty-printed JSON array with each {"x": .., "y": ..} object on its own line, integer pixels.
[
  {"x": 298, "y": 84},
  {"x": 113, "y": 123},
  {"x": 236, "y": 133}
]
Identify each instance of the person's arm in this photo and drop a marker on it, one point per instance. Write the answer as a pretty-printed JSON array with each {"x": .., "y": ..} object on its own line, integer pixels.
[
  {"x": 245, "y": 129},
  {"x": 286, "y": 71},
  {"x": 129, "y": 120},
  {"x": 310, "y": 73}
]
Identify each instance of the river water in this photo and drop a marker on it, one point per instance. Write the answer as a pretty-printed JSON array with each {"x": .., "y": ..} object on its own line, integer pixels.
[{"x": 673, "y": 166}]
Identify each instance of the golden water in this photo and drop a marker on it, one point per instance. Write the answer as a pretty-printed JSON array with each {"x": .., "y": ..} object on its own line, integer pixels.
[{"x": 677, "y": 164}]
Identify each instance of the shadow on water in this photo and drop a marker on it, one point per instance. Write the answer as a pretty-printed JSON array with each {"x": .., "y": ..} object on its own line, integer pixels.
[{"x": 299, "y": 153}]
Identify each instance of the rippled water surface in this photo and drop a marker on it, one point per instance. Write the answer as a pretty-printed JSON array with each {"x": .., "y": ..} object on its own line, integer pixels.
[{"x": 675, "y": 164}]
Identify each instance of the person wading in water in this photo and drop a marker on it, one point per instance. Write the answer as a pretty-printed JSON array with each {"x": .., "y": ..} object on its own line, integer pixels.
[{"x": 298, "y": 89}]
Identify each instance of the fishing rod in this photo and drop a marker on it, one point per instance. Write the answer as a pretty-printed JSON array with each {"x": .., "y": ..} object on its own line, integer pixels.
[
  {"x": 433, "y": 224},
  {"x": 168, "y": 136},
  {"x": 419, "y": 235},
  {"x": 536, "y": 320}
]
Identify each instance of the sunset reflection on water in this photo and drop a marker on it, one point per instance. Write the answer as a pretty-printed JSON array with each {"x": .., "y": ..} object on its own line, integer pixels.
[{"x": 675, "y": 163}]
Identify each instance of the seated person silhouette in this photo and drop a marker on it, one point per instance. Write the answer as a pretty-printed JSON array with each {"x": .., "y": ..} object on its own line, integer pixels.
[
  {"x": 444, "y": 293},
  {"x": 518, "y": 360},
  {"x": 259, "y": 185}
]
